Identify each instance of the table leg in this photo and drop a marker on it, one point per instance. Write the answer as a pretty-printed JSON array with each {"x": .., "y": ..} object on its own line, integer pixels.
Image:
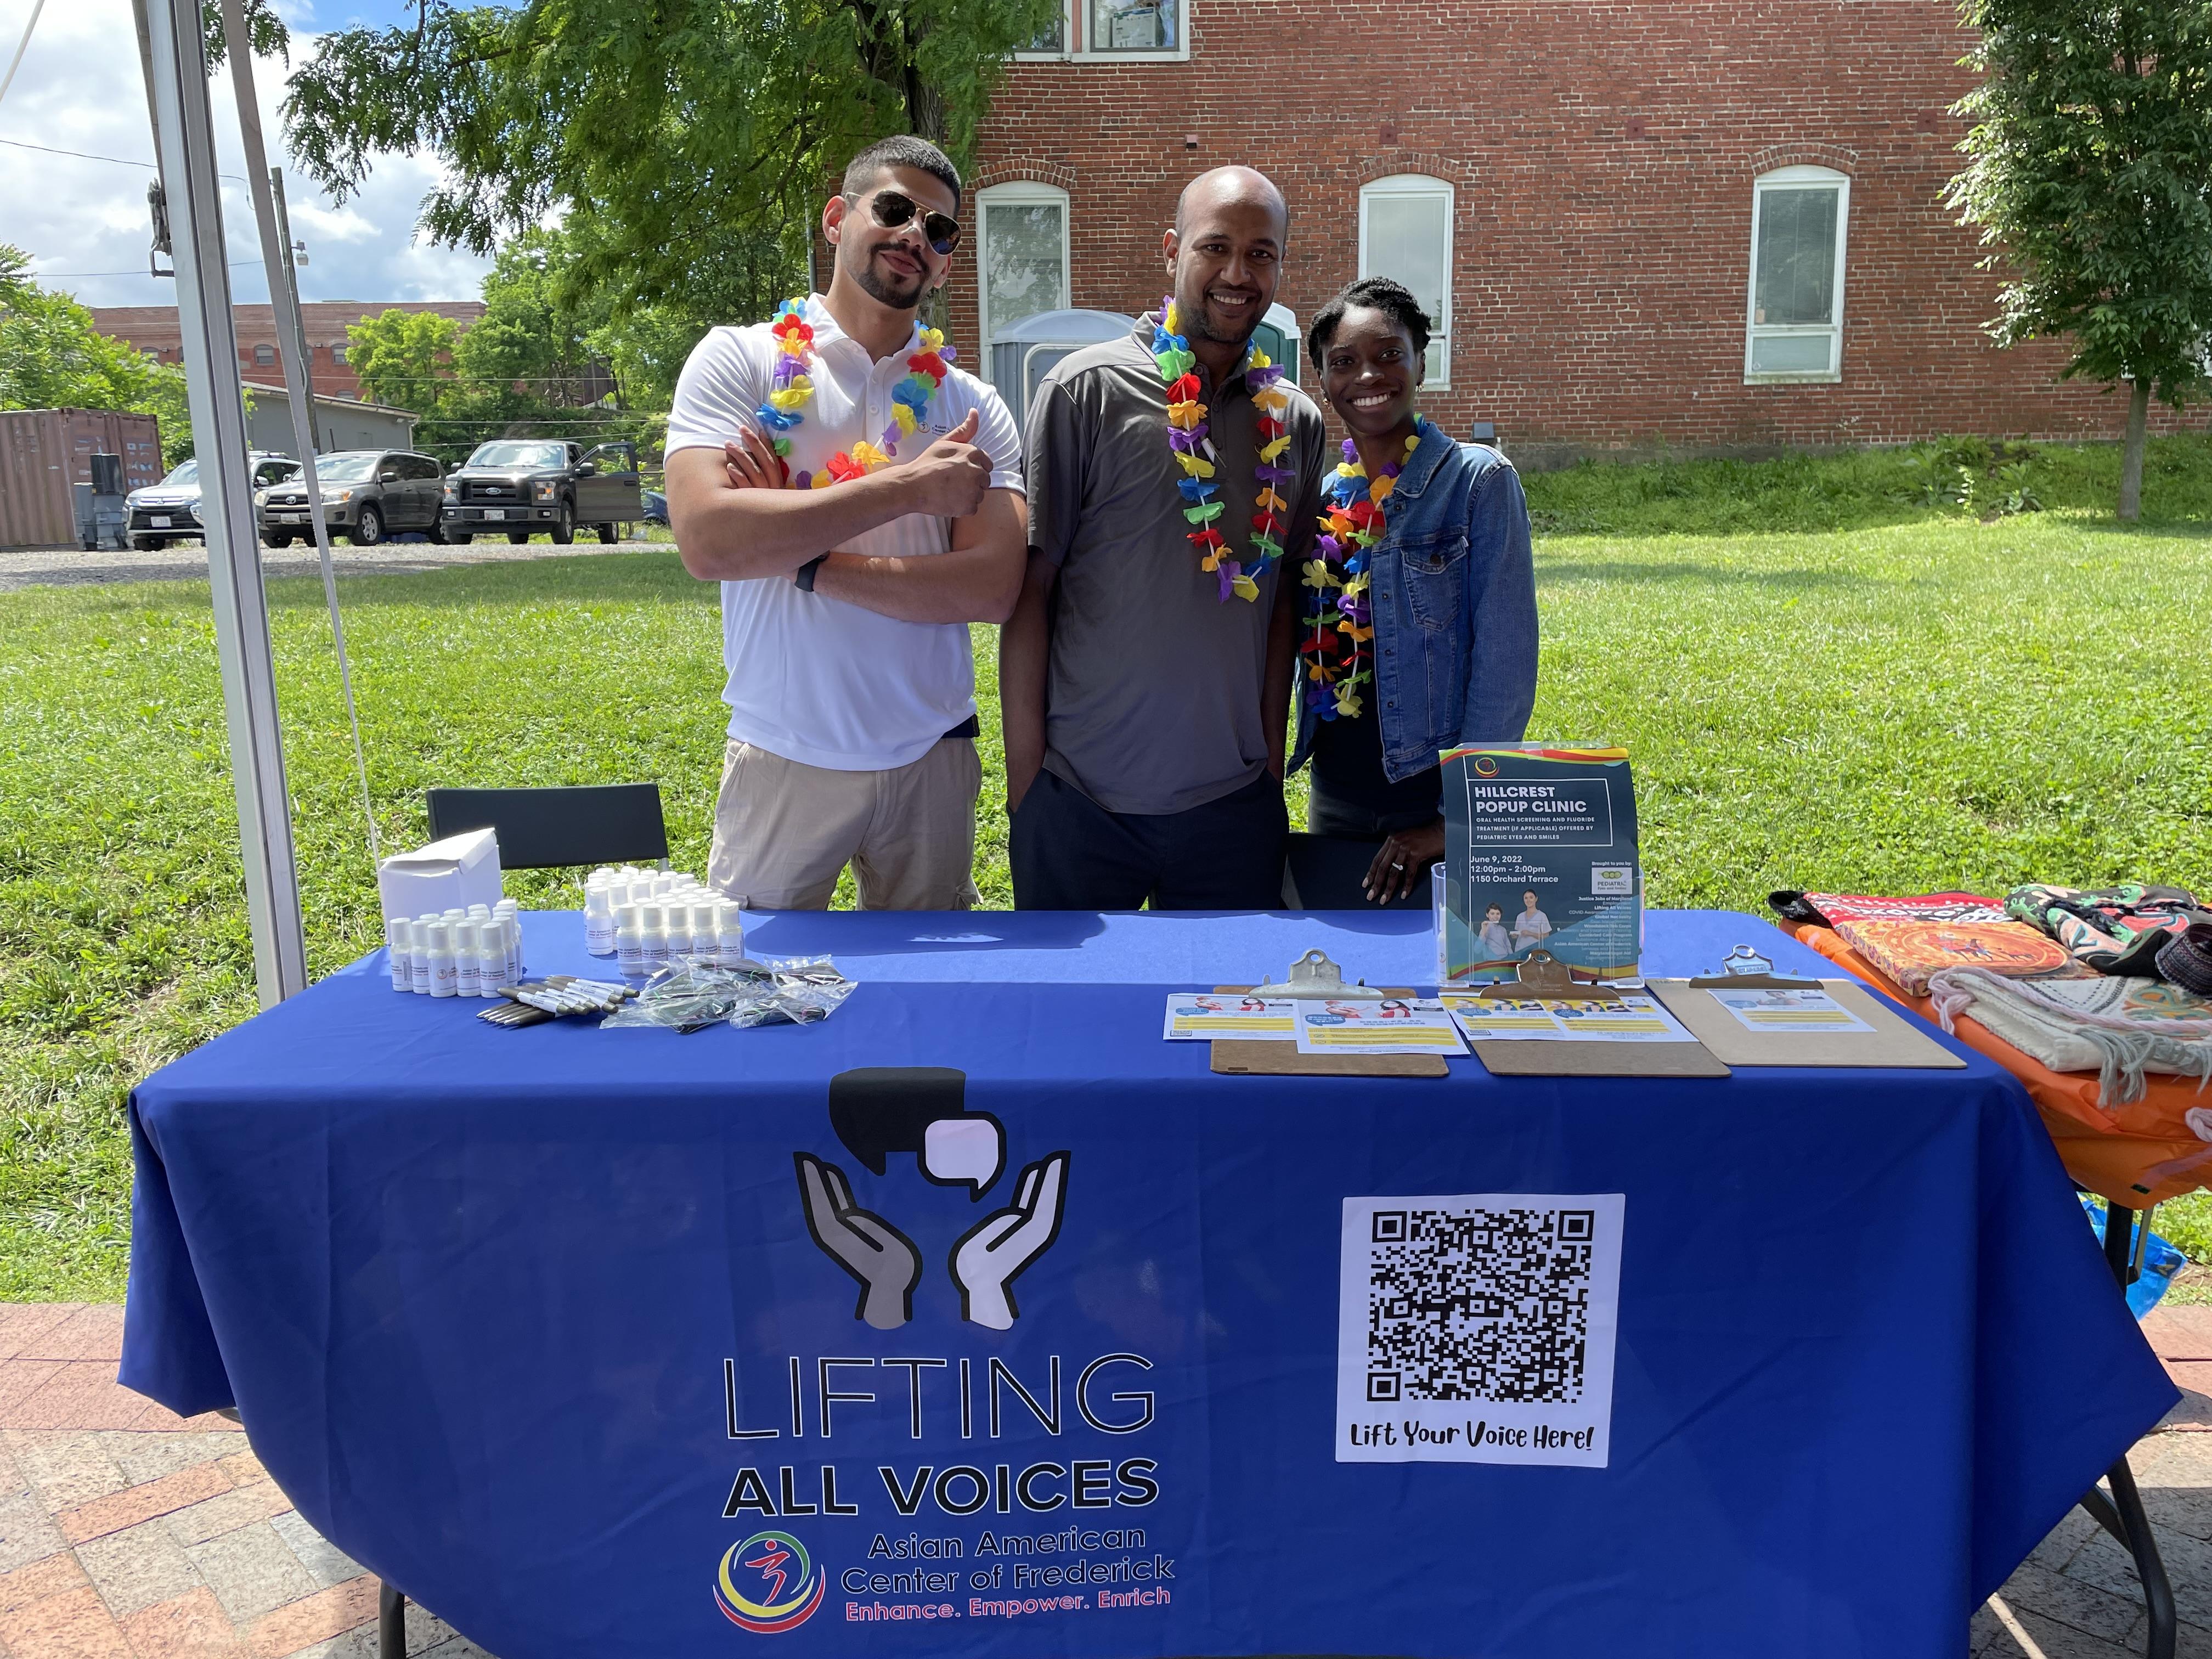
[
  {"x": 392, "y": 1623},
  {"x": 2122, "y": 1514}
]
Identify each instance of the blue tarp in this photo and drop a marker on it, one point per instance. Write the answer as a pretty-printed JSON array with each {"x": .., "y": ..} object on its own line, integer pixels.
[{"x": 541, "y": 1326}]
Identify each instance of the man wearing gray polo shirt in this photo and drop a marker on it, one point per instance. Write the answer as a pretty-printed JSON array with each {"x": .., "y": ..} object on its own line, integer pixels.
[{"x": 1145, "y": 695}]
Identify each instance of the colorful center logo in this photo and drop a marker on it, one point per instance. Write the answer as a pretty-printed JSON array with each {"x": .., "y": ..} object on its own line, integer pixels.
[
  {"x": 1485, "y": 766},
  {"x": 768, "y": 1565}
]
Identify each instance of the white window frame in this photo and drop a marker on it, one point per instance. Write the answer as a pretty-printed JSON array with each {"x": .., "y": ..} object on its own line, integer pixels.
[
  {"x": 1067, "y": 40},
  {"x": 1016, "y": 193},
  {"x": 1797, "y": 178},
  {"x": 1081, "y": 50},
  {"x": 1421, "y": 184}
]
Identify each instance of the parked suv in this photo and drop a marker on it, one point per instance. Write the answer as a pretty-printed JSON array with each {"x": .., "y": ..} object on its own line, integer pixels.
[
  {"x": 170, "y": 511},
  {"x": 525, "y": 484},
  {"x": 367, "y": 495}
]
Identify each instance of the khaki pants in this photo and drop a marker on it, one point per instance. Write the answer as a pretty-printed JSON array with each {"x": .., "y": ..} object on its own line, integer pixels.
[{"x": 783, "y": 831}]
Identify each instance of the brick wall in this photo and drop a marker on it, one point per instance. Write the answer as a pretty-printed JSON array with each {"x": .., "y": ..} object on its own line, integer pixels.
[
  {"x": 1603, "y": 156},
  {"x": 155, "y": 329}
]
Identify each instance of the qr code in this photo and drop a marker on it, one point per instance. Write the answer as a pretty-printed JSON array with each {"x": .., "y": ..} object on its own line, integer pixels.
[{"x": 1489, "y": 1304}]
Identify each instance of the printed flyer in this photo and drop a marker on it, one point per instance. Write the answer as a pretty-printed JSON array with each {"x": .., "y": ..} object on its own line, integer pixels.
[{"x": 1539, "y": 854}]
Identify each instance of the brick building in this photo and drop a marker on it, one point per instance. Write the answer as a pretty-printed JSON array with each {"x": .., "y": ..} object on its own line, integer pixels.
[
  {"x": 1579, "y": 186},
  {"x": 153, "y": 329}
]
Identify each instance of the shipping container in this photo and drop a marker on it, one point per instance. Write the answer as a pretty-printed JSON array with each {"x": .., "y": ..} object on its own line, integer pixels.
[{"x": 45, "y": 450}]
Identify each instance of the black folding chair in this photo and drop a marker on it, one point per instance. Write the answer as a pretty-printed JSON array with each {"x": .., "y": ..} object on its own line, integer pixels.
[
  {"x": 1325, "y": 872},
  {"x": 539, "y": 828}
]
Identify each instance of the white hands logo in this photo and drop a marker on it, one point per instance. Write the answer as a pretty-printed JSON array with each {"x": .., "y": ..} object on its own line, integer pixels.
[
  {"x": 992, "y": 1254},
  {"x": 880, "y": 1110}
]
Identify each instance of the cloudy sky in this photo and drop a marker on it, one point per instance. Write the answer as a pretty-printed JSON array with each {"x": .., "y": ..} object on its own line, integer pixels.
[{"x": 84, "y": 221}]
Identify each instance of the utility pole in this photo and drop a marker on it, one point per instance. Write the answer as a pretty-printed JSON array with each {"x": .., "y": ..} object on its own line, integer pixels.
[{"x": 298, "y": 312}]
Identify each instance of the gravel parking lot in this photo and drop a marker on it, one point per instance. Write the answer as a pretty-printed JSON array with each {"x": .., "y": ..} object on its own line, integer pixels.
[{"x": 69, "y": 567}]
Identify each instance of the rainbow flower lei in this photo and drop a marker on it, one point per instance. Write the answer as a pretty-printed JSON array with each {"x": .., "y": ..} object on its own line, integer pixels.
[
  {"x": 1193, "y": 452},
  {"x": 793, "y": 389},
  {"x": 1339, "y": 643}
]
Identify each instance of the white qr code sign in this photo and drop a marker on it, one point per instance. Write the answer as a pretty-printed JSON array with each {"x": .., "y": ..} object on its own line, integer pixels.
[{"x": 1478, "y": 1328}]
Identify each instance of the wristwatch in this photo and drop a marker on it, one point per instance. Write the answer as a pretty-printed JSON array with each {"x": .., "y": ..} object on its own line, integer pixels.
[{"x": 803, "y": 577}]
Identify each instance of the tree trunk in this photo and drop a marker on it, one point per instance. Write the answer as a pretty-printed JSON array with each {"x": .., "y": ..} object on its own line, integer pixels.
[{"x": 2131, "y": 453}]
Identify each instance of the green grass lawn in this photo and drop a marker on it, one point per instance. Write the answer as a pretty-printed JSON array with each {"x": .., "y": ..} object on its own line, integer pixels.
[{"x": 1831, "y": 673}]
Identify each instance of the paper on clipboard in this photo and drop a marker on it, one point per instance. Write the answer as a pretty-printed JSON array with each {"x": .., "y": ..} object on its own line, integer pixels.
[
  {"x": 1885, "y": 1037},
  {"x": 1194, "y": 1016},
  {"x": 1395, "y": 1026},
  {"x": 1780, "y": 1009},
  {"x": 1628, "y": 1018}
]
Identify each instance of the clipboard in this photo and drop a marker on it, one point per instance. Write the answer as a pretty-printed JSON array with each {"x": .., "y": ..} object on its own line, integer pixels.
[
  {"x": 1895, "y": 1041},
  {"x": 1237, "y": 1057},
  {"x": 1240, "y": 1057},
  {"x": 1600, "y": 1059}
]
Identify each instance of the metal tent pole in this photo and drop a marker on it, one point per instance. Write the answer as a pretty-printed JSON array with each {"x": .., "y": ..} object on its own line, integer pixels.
[{"x": 184, "y": 139}]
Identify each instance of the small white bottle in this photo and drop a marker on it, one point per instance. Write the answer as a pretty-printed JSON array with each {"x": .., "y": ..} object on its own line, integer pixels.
[
  {"x": 491, "y": 960},
  {"x": 510, "y": 912},
  {"x": 598, "y": 921},
  {"x": 629, "y": 946},
  {"x": 677, "y": 932},
  {"x": 653, "y": 934},
  {"x": 468, "y": 940},
  {"x": 418, "y": 954},
  {"x": 443, "y": 980},
  {"x": 729, "y": 934},
  {"x": 397, "y": 948}
]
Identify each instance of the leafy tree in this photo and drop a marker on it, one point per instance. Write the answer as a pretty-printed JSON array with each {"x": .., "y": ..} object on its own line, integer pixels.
[
  {"x": 2091, "y": 178},
  {"x": 537, "y": 364},
  {"x": 685, "y": 145},
  {"x": 53, "y": 357},
  {"x": 401, "y": 357}
]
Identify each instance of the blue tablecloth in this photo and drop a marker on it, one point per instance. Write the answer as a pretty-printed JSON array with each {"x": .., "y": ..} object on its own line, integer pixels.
[{"x": 539, "y": 1325}]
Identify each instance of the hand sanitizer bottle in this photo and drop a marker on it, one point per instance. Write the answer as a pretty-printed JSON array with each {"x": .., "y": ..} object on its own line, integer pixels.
[
  {"x": 599, "y": 920},
  {"x": 441, "y": 958},
  {"x": 418, "y": 953},
  {"x": 468, "y": 940},
  {"x": 396, "y": 947}
]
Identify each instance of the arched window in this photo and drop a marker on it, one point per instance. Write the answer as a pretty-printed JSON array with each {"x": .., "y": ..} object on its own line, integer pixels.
[
  {"x": 1021, "y": 257},
  {"x": 1405, "y": 234},
  {"x": 1793, "y": 329}
]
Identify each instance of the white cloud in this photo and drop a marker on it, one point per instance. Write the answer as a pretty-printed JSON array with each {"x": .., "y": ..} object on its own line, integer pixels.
[{"x": 79, "y": 89}]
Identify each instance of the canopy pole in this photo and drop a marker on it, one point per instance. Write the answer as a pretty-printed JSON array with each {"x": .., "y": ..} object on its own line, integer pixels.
[{"x": 184, "y": 139}]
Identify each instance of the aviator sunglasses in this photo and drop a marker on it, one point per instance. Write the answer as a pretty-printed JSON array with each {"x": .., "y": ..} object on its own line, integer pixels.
[{"x": 890, "y": 211}]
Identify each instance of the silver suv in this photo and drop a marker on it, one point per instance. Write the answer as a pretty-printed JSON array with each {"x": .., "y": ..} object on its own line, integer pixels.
[
  {"x": 170, "y": 511},
  {"x": 368, "y": 494}
]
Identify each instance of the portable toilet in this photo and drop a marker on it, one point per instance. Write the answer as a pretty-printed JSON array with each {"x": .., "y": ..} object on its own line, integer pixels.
[
  {"x": 1278, "y": 336},
  {"x": 1024, "y": 352}
]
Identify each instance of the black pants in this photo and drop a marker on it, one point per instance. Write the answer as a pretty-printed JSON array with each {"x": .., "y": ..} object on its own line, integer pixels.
[{"x": 1070, "y": 854}]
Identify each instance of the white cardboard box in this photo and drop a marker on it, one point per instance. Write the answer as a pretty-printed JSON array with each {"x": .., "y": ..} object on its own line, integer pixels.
[{"x": 461, "y": 870}]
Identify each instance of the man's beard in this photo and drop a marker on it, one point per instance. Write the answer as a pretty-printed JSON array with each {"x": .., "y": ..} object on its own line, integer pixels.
[
  {"x": 878, "y": 286},
  {"x": 1193, "y": 321}
]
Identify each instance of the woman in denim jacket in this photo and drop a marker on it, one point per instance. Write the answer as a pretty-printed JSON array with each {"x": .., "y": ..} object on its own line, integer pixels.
[{"x": 1424, "y": 637}]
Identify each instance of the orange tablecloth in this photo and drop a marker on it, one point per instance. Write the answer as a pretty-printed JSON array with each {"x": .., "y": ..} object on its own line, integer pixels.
[{"x": 2135, "y": 1155}]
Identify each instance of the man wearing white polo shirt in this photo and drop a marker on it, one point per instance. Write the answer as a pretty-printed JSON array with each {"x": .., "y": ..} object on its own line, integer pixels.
[{"x": 844, "y": 608}]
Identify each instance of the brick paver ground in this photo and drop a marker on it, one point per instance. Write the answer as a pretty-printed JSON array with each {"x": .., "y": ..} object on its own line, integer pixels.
[{"x": 127, "y": 1531}]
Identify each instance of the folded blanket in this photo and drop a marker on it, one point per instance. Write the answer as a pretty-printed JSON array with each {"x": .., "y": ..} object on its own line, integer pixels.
[
  {"x": 1830, "y": 910},
  {"x": 1910, "y": 951},
  {"x": 2114, "y": 930},
  {"x": 2116, "y": 1028}
]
